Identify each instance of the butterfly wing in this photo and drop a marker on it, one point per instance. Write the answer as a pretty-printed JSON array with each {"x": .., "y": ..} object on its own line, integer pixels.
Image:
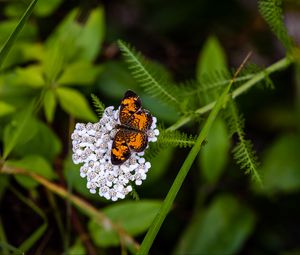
[
  {"x": 130, "y": 104},
  {"x": 140, "y": 120},
  {"x": 120, "y": 151},
  {"x": 137, "y": 141}
]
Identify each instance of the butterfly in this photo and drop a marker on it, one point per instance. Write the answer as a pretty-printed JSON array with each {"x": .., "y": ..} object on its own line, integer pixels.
[{"x": 131, "y": 134}]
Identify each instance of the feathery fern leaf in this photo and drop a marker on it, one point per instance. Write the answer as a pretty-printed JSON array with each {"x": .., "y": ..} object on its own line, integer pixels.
[
  {"x": 176, "y": 138},
  {"x": 152, "y": 80},
  {"x": 170, "y": 138},
  {"x": 272, "y": 12},
  {"x": 243, "y": 152},
  {"x": 98, "y": 105}
]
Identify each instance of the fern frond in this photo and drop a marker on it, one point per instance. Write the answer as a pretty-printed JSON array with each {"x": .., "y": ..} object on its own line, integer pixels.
[
  {"x": 209, "y": 85},
  {"x": 154, "y": 82},
  {"x": 243, "y": 151},
  {"x": 176, "y": 138},
  {"x": 98, "y": 105},
  {"x": 271, "y": 10},
  {"x": 169, "y": 138}
]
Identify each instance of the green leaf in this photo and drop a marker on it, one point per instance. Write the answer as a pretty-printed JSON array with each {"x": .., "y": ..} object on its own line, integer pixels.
[
  {"x": 134, "y": 216},
  {"x": 214, "y": 155},
  {"x": 34, "y": 164},
  {"x": 12, "y": 38},
  {"x": 31, "y": 76},
  {"x": 44, "y": 143},
  {"x": 98, "y": 105},
  {"x": 92, "y": 35},
  {"x": 54, "y": 59},
  {"x": 80, "y": 41},
  {"x": 281, "y": 166},
  {"x": 75, "y": 104},
  {"x": 49, "y": 105},
  {"x": 220, "y": 229},
  {"x": 211, "y": 58},
  {"x": 79, "y": 73},
  {"x": 21, "y": 128},
  {"x": 272, "y": 12},
  {"x": 211, "y": 69},
  {"x": 6, "y": 108}
]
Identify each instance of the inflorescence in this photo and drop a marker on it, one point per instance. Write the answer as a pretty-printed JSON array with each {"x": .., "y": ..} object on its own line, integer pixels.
[{"x": 92, "y": 146}]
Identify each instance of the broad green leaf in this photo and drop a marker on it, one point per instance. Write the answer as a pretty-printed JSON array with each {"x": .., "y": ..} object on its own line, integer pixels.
[
  {"x": 75, "y": 104},
  {"x": 13, "y": 36},
  {"x": 211, "y": 58},
  {"x": 6, "y": 108},
  {"x": 92, "y": 35},
  {"x": 44, "y": 143},
  {"x": 49, "y": 105},
  {"x": 80, "y": 41},
  {"x": 220, "y": 229},
  {"x": 79, "y": 73},
  {"x": 214, "y": 155},
  {"x": 34, "y": 164},
  {"x": 281, "y": 166},
  {"x": 21, "y": 128},
  {"x": 134, "y": 216},
  {"x": 54, "y": 59},
  {"x": 75, "y": 181},
  {"x": 31, "y": 76}
]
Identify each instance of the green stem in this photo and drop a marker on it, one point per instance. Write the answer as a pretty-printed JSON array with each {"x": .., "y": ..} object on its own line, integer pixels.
[
  {"x": 167, "y": 204},
  {"x": 279, "y": 65}
]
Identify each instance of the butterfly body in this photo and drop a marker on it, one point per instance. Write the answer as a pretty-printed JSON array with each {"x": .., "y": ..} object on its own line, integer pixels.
[{"x": 132, "y": 131}]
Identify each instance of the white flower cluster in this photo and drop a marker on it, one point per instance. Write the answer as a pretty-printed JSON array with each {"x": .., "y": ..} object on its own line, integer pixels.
[{"x": 92, "y": 146}]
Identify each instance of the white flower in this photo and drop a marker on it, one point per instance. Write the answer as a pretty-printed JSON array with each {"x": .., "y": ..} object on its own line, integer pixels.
[{"x": 92, "y": 146}]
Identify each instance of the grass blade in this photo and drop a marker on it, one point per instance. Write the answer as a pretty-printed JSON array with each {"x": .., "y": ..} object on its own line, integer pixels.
[
  {"x": 168, "y": 202},
  {"x": 13, "y": 36}
]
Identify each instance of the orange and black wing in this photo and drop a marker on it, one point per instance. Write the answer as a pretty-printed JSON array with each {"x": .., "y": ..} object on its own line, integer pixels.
[
  {"x": 140, "y": 120},
  {"x": 130, "y": 104},
  {"x": 136, "y": 141},
  {"x": 120, "y": 151}
]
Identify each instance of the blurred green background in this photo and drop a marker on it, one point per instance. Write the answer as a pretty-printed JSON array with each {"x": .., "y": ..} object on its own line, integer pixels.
[{"x": 67, "y": 50}]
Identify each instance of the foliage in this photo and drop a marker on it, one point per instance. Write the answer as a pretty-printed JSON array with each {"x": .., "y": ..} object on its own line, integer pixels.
[
  {"x": 60, "y": 60},
  {"x": 272, "y": 12},
  {"x": 151, "y": 79},
  {"x": 243, "y": 150},
  {"x": 98, "y": 105}
]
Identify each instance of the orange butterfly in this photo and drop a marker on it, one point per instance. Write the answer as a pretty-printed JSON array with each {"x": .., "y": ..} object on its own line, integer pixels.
[{"x": 132, "y": 132}]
